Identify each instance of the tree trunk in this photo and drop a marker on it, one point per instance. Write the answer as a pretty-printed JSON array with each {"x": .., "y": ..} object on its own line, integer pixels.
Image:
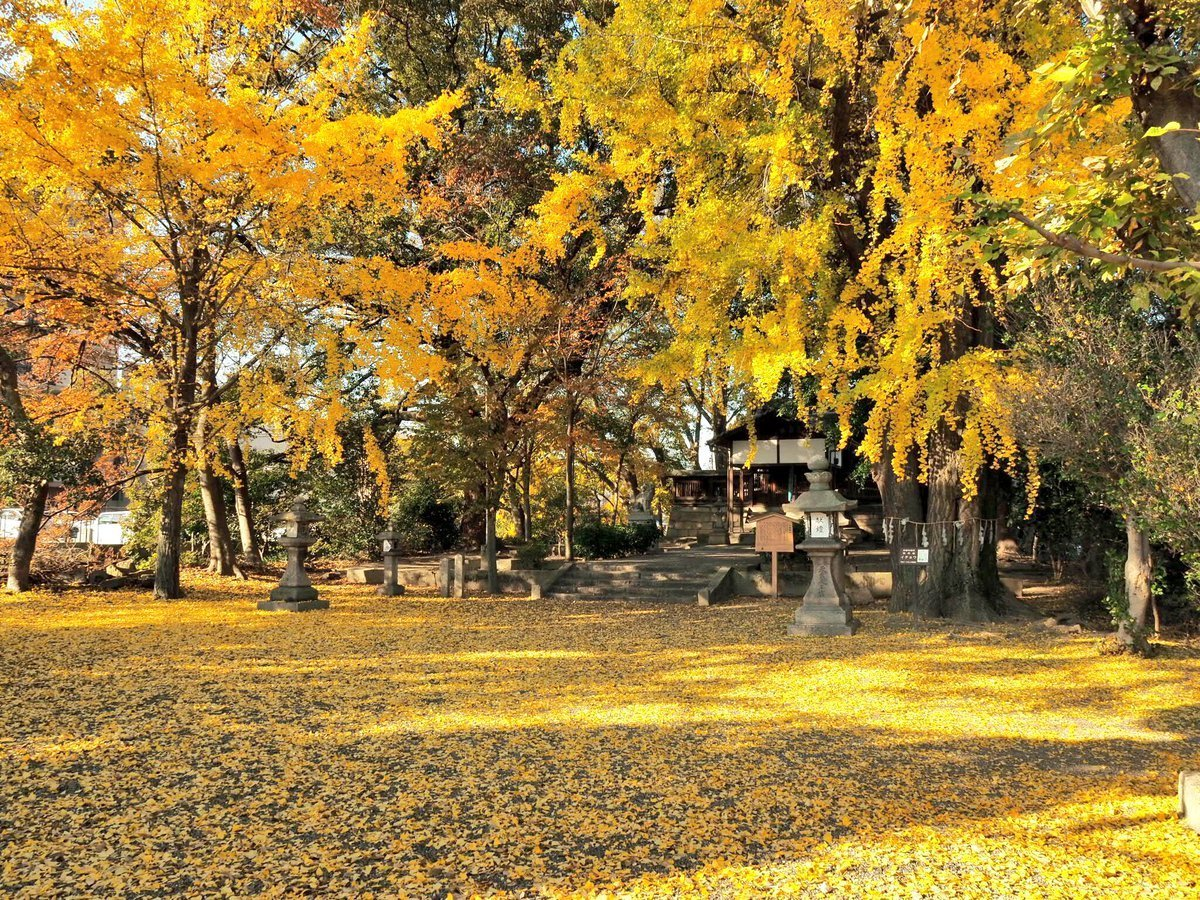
[
  {"x": 251, "y": 552},
  {"x": 489, "y": 543},
  {"x": 183, "y": 399},
  {"x": 170, "y": 530},
  {"x": 901, "y": 500},
  {"x": 720, "y": 421},
  {"x": 34, "y": 508},
  {"x": 212, "y": 493},
  {"x": 1138, "y": 580},
  {"x": 216, "y": 516},
  {"x": 21, "y": 563},
  {"x": 1178, "y": 151},
  {"x": 527, "y": 496},
  {"x": 962, "y": 581},
  {"x": 569, "y": 515}
]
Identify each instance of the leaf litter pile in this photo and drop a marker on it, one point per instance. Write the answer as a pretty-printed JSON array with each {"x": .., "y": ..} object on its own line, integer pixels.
[{"x": 421, "y": 747}]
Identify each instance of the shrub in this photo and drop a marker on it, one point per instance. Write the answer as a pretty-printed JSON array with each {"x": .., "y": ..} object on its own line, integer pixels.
[
  {"x": 599, "y": 541},
  {"x": 533, "y": 554},
  {"x": 425, "y": 522}
]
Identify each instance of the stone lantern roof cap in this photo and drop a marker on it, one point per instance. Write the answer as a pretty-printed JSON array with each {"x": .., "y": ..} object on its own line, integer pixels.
[
  {"x": 822, "y": 501},
  {"x": 298, "y": 512}
]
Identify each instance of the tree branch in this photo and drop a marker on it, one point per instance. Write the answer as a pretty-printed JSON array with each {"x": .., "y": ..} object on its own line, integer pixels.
[{"x": 1081, "y": 247}]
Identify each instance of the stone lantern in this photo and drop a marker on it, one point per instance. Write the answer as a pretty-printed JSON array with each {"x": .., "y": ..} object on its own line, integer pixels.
[
  {"x": 826, "y": 609},
  {"x": 390, "y": 543},
  {"x": 295, "y": 592}
]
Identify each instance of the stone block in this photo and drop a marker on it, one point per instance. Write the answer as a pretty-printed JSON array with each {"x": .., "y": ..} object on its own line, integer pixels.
[
  {"x": 294, "y": 593},
  {"x": 365, "y": 575},
  {"x": 1189, "y": 799}
]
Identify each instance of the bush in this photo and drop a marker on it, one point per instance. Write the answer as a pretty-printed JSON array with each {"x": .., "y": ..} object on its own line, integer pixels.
[
  {"x": 533, "y": 554},
  {"x": 598, "y": 541},
  {"x": 425, "y": 522}
]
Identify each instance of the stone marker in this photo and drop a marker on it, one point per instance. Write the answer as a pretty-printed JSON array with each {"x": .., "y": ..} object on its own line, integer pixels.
[
  {"x": 1189, "y": 799},
  {"x": 445, "y": 577},
  {"x": 459, "y": 584},
  {"x": 391, "y": 586},
  {"x": 364, "y": 575},
  {"x": 826, "y": 609},
  {"x": 295, "y": 592}
]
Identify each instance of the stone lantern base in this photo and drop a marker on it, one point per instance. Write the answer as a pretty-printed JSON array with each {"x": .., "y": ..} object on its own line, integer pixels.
[
  {"x": 834, "y": 626},
  {"x": 826, "y": 610},
  {"x": 292, "y": 605},
  {"x": 293, "y": 599}
]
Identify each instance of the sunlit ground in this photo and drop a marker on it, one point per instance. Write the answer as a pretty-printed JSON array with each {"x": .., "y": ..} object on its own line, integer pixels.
[{"x": 422, "y": 747}]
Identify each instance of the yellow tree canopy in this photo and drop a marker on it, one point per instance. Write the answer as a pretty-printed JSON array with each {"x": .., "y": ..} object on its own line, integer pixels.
[
  {"x": 174, "y": 174},
  {"x": 804, "y": 173}
]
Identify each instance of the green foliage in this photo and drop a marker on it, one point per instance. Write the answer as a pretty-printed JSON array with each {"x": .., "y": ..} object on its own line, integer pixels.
[
  {"x": 30, "y": 455},
  {"x": 142, "y": 527},
  {"x": 1115, "y": 600},
  {"x": 1111, "y": 395},
  {"x": 532, "y": 554},
  {"x": 1069, "y": 527},
  {"x": 425, "y": 521},
  {"x": 599, "y": 541}
]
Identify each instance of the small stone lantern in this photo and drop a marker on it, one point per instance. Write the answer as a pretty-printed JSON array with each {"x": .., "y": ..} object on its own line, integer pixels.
[
  {"x": 826, "y": 609},
  {"x": 390, "y": 542},
  {"x": 295, "y": 592}
]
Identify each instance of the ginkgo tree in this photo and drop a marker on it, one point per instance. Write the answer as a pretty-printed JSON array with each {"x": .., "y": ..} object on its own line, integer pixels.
[
  {"x": 172, "y": 171},
  {"x": 804, "y": 176}
]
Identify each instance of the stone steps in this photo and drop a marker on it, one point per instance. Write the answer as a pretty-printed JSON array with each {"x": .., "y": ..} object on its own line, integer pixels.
[{"x": 657, "y": 579}]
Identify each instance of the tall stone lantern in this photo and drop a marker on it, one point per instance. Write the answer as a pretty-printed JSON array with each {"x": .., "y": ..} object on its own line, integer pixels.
[
  {"x": 295, "y": 592},
  {"x": 390, "y": 545},
  {"x": 826, "y": 609}
]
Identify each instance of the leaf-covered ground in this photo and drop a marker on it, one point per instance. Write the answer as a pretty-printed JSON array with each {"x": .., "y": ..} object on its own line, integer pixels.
[{"x": 421, "y": 747}]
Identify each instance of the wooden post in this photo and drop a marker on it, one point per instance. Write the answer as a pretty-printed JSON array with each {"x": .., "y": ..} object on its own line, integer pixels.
[{"x": 773, "y": 534}]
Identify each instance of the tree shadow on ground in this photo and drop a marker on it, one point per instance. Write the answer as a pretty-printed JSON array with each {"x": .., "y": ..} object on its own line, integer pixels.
[{"x": 421, "y": 747}]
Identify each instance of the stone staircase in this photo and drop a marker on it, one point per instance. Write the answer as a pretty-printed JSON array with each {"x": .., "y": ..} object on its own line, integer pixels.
[{"x": 674, "y": 576}]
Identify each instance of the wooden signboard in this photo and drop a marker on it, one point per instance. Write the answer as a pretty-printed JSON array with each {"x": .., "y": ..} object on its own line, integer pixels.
[{"x": 773, "y": 534}]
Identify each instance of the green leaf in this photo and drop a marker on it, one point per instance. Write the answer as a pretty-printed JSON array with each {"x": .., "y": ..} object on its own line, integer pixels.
[{"x": 1160, "y": 130}]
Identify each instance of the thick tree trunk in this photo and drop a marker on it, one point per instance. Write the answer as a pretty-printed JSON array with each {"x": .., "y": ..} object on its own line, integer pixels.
[
  {"x": 1139, "y": 576},
  {"x": 962, "y": 581},
  {"x": 251, "y": 552},
  {"x": 569, "y": 515},
  {"x": 901, "y": 500},
  {"x": 1173, "y": 104},
  {"x": 35, "y": 506},
  {"x": 21, "y": 563}
]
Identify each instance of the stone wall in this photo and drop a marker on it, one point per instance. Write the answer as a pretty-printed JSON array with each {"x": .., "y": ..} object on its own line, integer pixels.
[{"x": 705, "y": 522}]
